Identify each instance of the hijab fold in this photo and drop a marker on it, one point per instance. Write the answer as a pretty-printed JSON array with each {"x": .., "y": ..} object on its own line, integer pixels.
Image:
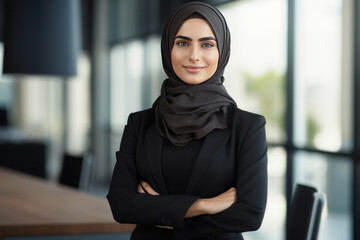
[{"x": 191, "y": 111}]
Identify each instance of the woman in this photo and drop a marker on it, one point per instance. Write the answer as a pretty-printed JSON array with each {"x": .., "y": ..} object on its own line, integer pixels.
[{"x": 194, "y": 166}]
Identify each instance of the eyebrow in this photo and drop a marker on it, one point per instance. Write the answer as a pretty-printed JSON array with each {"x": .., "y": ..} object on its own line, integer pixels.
[{"x": 200, "y": 39}]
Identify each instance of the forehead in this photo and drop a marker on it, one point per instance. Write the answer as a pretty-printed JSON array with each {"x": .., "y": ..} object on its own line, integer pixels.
[{"x": 196, "y": 28}]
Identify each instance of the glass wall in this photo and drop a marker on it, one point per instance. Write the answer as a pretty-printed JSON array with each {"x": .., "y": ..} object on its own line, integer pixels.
[
  {"x": 136, "y": 76},
  {"x": 322, "y": 82},
  {"x": 255, "y": 78},
  {"x": 49, "y": 109},
  {"x": 323, "y": 108}
]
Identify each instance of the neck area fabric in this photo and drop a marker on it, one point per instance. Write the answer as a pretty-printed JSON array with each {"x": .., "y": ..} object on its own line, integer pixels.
[{"x": 191, "y": 111}]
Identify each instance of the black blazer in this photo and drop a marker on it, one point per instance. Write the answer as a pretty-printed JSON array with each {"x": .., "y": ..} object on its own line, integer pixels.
[{"x": 231, "y": 157}]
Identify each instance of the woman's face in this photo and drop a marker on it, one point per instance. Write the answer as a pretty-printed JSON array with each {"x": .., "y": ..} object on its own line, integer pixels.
[{"x": 195, "y": 55}]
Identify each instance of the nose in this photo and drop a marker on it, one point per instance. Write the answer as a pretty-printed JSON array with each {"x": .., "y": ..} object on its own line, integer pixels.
[{"x": 194, "y": 54}]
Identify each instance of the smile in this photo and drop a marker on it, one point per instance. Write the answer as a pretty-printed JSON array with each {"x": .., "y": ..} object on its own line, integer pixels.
[{"x": 193, "y": 69}]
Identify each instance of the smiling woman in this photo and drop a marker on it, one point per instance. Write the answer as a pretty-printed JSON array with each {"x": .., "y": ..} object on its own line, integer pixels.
[{"x": 194, "y": 166}]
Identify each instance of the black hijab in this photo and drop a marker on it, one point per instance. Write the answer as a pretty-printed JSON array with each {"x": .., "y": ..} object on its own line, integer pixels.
[{"x": 191, "y": 111}]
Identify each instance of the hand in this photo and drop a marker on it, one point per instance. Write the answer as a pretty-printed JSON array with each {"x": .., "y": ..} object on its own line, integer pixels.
[
  {"x": 212, "y": 205},
  {"x": 144, "y": 187},
  {"x": 220, "y": 202}
]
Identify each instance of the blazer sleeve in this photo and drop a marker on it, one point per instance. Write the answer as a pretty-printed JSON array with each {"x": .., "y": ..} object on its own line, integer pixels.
[
  {"x": 129, "y": 206},
  {"x": 247, "y": 213}
]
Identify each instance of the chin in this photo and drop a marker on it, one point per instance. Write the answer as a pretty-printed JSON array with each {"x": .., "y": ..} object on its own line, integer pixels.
[{"x": 194, "y": 80}]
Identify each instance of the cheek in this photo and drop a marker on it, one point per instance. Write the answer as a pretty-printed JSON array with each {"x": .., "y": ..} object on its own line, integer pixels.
[
  {"x": 212, "y": 59},
  {"x": 176, "y": 57}
]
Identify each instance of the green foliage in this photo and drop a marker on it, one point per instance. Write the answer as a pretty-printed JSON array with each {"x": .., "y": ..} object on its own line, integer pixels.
[
  {"x": 312, "y": 129},
  {"x": 268, "y": 89}
]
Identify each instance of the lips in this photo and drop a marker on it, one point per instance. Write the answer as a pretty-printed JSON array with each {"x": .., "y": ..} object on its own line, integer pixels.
[{"x": 193, "y": 69}]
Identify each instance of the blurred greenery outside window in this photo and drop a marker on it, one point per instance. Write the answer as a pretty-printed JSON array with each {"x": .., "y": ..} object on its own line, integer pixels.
[{"x": 255, "y": 76}]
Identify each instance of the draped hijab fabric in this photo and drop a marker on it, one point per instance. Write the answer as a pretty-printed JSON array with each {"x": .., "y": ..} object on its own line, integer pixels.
[{"x": 191, "y": 111}]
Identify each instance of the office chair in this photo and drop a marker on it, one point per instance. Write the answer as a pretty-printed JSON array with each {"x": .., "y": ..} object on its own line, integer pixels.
[
  {"x": 25, "y": 156},
  {"x": 4, "y": 117},
  {"x": 305, "y": 213},
  {"x": 76, "y": 171}
]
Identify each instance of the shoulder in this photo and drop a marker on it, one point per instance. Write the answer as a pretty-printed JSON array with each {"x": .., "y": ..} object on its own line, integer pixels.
[
  {"x": 140, "y": 120},
  {"x": 245, "y": 116},
  {"x": 143, "y": 114},
  {"x": 241, "y": 119}
]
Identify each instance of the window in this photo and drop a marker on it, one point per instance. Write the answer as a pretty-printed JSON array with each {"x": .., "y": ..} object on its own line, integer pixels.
[
  {"x": 255, "y": 78},
  {"x": 323, "y": 127},
  {"x": 136, "y": 76},
  {"x": 322, "y": 76}
]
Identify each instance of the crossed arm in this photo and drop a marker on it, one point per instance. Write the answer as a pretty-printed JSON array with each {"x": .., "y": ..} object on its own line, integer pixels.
[{"x": 201, "y": 206}]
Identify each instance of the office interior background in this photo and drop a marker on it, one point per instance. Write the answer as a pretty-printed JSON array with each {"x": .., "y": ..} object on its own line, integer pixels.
[{"x": 294, "y": 61}]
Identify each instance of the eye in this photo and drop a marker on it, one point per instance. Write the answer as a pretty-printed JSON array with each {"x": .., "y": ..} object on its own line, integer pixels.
[
  {"x": 207, "y": 45},
  {"x": 182, "y": 43}
]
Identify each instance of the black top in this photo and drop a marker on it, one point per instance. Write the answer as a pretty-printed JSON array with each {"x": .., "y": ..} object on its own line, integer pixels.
[{"x": 177, "y": 164}]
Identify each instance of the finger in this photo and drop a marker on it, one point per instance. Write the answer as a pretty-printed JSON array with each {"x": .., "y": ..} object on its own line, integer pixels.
[
  {"x": 140, "y": 189},
  {"x": 230, "y": 194},
  {"x": 148, "y": 188},
  {"x": 229, "y": 191},
  {"x": 234, "y": 194},
  {"x": 168, "y": 227}
]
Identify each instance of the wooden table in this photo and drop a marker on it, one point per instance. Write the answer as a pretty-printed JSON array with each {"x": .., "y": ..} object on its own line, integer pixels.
[{"x": 30, "y": 206}]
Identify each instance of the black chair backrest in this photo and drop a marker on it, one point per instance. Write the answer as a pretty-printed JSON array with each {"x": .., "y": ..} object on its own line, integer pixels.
[
  {"x": 305, "y": 213},
  {"x": 71, "y": 170},
  {"x": 76, "y": 171},
  {"x": 24, "y": 156},
  {"x": 4, "y": 118}
]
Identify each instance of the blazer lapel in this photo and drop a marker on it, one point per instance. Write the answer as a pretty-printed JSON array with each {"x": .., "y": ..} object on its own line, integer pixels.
[
  {"x": 154, "y": 143},
  {"x": 212, "y": 143}
]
